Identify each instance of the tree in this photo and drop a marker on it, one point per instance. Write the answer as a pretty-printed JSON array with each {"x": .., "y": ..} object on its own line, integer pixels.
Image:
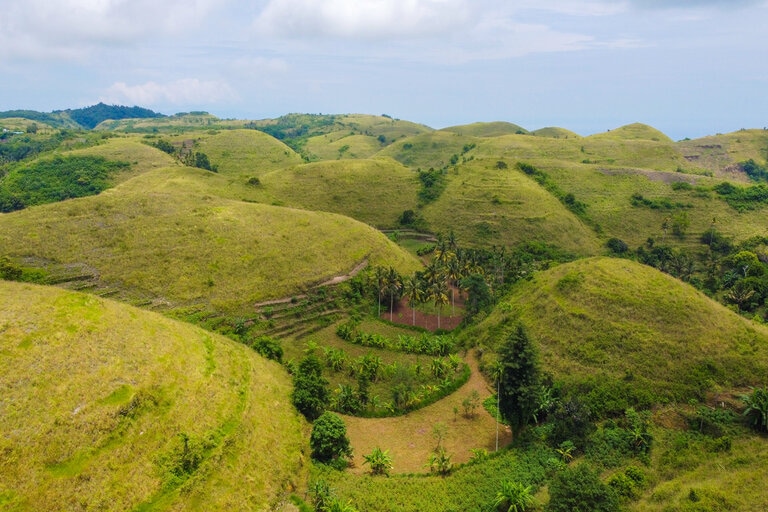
[
  {"x": 413, "y": 292},
  {"x": 329, "y": 441},
  {"x": 479, "y": 296},
  {"x": 579, "y": 489},
  {"x": 520, "y": 379},
  {"x": 438, "y": 292},
  {"x": 379, "y": 461},
  {"x": 757, "y": 408},
  {"x": 310, "y": 390},
  {"x": 394, "y": 285},
  {"x": 513, "y": 497}
]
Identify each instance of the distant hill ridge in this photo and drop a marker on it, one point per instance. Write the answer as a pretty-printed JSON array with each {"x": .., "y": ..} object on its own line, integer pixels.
[{"x": 87, "y": 117}]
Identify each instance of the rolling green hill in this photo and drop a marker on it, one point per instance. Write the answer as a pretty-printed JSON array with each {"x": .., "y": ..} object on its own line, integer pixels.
[
  {"x": 163, "y": 238},
  {"x": 109, "y": 407},
  {"x": 492, "y": 129},
  {"x": 243, "y": 154},
  {"x": 374, "y": 191},
  {"x": 606, "y": 322},
  {"x": 486, "y": 206}
]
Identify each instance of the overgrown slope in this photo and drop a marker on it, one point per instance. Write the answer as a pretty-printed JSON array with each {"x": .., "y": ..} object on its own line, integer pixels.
[{"x": 109, "y": 407}]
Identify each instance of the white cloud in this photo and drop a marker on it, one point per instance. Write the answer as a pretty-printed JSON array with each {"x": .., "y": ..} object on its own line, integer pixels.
[
  {"x": 187, "y": 91},
  {"x": 72, "y": 28},
  {"x": 362, "y": 19}
]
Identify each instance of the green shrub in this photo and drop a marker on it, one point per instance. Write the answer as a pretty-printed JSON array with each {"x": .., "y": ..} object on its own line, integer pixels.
[
  {"x": 329, "y": 440},
  {"x": 579, "y": 489}
]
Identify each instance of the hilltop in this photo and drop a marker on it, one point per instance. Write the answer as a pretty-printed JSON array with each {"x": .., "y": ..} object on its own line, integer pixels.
[{"x": 86, "y": 117}]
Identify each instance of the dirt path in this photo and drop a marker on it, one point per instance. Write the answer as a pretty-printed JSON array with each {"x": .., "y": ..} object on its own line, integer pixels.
[
  {"x": 335, "y": 280},
  {"x": 409, "y": 438}
]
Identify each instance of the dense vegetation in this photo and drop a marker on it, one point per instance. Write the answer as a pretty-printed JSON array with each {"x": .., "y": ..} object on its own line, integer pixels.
[
  {"x": 56, "y": 179},
  {"x": 539, "y": 321}
]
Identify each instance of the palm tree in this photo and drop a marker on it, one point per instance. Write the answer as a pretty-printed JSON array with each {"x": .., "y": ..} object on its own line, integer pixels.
[
  {"x": 497, "y": 371},
  {"x": 439, "y": 294},
  {"x": 394, "y": 285},
  {"x": 454, "y": 275},
  {"x": 381, "y": 279},
  {"x": 412, "y": 290}
]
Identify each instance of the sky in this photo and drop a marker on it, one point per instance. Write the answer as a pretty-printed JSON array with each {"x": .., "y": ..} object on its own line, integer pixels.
[{"x": 689, "y": 68}]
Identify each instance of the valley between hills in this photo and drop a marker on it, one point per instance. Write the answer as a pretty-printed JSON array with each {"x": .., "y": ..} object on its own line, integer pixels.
[{"x": 360, "y": 313}]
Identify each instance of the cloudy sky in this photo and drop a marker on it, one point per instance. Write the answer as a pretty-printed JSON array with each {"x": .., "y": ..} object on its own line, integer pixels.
[{"x": 688, "y": 67}]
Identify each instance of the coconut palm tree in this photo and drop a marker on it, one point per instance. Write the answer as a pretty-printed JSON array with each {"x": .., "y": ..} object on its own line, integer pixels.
[
  {"x": 412, "y": 288},
  {"x": 381, "y": 281},
  {"x": 394, "y": 285},
  {"x": 439, "y": 294}
]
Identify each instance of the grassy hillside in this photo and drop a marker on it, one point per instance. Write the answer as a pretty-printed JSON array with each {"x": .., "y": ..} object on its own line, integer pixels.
[
  {"x": 98, "y": 398},
  {"x": 555, "y": 133},
  {"x": 606, "y": 320},
  {"x": 492, "y": 129},
  {"x": 373, "y": 191},
  {"x": 427, "y": 150},
  {"x": 485, "y": 206},
  {"x": 163, "y": 238},
  {"x": 243, "y": 154},
  {"x": 718, "y": 153}
]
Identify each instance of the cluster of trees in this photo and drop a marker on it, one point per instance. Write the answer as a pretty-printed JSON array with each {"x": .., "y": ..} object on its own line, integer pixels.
[
  {"x": 481, "y": 274},
  {"x": 185, "y": 155},
  {"x": 734, "y": 274},
  {"x": 56, "y": 179}
]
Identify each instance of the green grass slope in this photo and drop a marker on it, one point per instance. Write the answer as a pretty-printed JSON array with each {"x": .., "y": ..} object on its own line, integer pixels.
[
  {"x": 634, "y": 131},
  {"x": 492, "y": 129},
  {"x": 487, "y": 206},
  {"x": 427, "y": 150},
  {"x": 718, "y": 154},
  {"x": 164, "y": 237},
  {"x": 617, "y": 323},
  {"x": 338, "y": 145},
  {"x": 98, "y": 396},
  {"x": 555, "y": 133},
  {"x": 246, "y": 153},
  {"x": 374, "y": 191}
]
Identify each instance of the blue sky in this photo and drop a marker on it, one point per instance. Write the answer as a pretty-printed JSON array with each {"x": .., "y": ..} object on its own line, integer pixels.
[{"x": 688, "y": 67}]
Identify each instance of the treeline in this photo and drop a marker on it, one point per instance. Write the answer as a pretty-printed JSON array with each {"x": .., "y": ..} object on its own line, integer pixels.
[
  {"x": 480, "y": 274},
  {"x": 90, "y": 117}
]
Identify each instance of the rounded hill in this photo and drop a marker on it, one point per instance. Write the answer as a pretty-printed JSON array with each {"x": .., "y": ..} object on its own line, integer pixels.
[
  {"x": 107, "y": 407},
  {"x": 555, "y": 133},
  {"x": 634, "y": 131},
  {"x": 374, "y": 191},
  {"x": 246, "y": 153},
  {"x": 491, "y": 129},
  {"x": 618, "y": 325},
  {"x": 162, "y": 238}
]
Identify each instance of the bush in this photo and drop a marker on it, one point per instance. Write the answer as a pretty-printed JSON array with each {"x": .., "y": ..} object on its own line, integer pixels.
[
  {"x": 617, "y": 246},
  {"x": 269, "y": 348},
  {"x": 329, "y": 441},
  {"x": 310, "y": 390},
  {"x": 579, "y": 489}
]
